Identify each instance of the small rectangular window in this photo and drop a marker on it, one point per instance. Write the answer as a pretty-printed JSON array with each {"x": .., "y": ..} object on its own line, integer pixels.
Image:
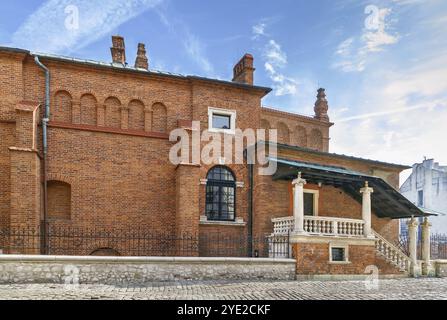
[
  {"x": 221, "y": 121},
  {"x": 420, "y": 198},
  {"x": 338, "y": 254},
  {"x": 309, "y": 204}
]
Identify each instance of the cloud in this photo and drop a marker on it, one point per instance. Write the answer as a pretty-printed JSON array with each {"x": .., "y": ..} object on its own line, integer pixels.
[
  {"x": 375, "y": 40},
  {"x": 275, "y": 61},
  {"x": 258, "y": 30},
  {"x": 400, "y": 118},
  {"x": 352, "y": 54},
  {"x": 46, "y": 28},
  {"x": 274, "y": 54},
  {"x": 194, "y": 48},
  {"x": 344, "y": 48}
]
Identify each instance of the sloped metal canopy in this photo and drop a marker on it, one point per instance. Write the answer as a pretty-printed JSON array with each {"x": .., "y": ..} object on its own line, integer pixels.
[{"x": 386, "y": 201}]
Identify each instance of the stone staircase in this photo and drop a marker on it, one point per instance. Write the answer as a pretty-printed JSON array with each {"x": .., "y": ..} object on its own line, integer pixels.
[{"x": 392, "y": 254}]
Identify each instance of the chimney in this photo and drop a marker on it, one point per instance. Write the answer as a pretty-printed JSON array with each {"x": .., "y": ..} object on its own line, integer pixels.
[
  {"x": 243, "y": 71},
  {"x": 118, "y": 50},
  {"x": 141, "y": 62},
  {"x": 321, "y": 106}
]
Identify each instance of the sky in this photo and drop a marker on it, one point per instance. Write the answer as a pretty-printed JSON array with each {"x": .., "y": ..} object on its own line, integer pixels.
[{"x": 383, "y": 63}]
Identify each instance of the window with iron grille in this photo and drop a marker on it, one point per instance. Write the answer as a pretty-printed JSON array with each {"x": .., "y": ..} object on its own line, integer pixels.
[
  {"x": 338, "y": 254},
  {"x": 220, "y": 194}
]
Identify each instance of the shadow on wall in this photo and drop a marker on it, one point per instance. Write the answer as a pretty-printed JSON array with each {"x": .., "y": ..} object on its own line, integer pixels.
[{"x": 105, "y": 252}]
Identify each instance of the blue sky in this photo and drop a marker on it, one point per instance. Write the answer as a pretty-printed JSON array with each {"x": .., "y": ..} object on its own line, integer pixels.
[{"x": 383, "y": 63}]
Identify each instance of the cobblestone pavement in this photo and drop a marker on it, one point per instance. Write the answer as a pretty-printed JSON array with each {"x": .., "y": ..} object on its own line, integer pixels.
[{"x": 237, "y": 290}]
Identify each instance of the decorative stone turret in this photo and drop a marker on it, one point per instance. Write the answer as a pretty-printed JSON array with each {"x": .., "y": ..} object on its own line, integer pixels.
[
  {"x": 321, "y": 106},
  {"x": 243, "y": 71},
  {"x": 118, "y": 50},
  {"x": 141, "y": 62}
]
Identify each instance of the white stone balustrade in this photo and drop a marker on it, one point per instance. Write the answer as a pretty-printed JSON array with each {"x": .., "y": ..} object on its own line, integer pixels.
[
  {"x": 392, "y": 253},
  {"x": 322, "y": 226}
]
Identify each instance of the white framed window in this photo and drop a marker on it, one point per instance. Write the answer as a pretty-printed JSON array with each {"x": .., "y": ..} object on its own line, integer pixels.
[
  {"x": 311, "y": 202},
  {"x": 221, "y": 120},
  {"x": 338, "y": 253}
]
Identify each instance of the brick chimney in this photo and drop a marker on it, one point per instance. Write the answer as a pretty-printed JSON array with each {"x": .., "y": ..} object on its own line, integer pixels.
[
  {"x": 321, "y": 106},
  {"x": 118, "y": 50},
  {"x": 243, "y": 71},
  {"x": 141, "y": 62}
]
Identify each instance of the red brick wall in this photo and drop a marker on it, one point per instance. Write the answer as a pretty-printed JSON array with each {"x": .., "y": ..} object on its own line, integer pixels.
[
  {"x": 117, "y": 180},
  {"x": 107, "y": 139},
  {"x": 59, "y": 200},
  {"x": 7, "y": 134},
  {"x": 297, "y": 130},
  {"x": 313, "y": 259}
]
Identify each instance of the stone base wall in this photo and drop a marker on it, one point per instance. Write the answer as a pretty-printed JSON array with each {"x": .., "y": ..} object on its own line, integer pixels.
[
  {"x": 136, "y": 271},
  {"x": 441, "y": 268}
]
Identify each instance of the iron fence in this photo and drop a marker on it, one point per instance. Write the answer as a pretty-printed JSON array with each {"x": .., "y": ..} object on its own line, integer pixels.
[
  {"x": 120, "y": 242},
  {"x": 438, "y": 246}
]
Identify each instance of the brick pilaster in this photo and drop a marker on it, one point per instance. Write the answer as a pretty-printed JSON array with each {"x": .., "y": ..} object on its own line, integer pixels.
[
  {"x": 26, "y": 175},
  {"x": 187, "y": 204}
]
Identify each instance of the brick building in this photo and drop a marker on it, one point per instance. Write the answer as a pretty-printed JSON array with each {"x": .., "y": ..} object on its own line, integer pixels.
[{"x": 100, "y": 161}]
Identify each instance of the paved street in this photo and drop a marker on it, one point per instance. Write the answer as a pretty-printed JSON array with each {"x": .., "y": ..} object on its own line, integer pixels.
[{"x": 238, "y": 290}]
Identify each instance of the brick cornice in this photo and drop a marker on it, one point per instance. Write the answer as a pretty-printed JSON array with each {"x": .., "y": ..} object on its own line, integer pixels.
[
  {"x": 82, "y": 127},
  {"x": 295, "y": 115}
]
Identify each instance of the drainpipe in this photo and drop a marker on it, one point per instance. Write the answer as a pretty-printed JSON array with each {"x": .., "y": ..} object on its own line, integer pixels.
[
  {"x": 46, "y": 117},
  {"x": 250, "y": 210}
]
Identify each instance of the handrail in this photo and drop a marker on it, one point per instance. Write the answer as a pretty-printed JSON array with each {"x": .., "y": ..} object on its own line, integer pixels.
[
  {"x": 392, "y": 253},
  {"x": 390, "y": 244},
  {"x": 325, "y": 226},
  {"x": 282, "y": 219}
]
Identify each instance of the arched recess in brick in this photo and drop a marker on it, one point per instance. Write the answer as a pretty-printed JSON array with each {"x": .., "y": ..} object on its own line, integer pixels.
[
  {"x": 316, "y": 140},
  {"x": 159, "y": 118},
  {"x": 105, "y": 252},
  {"x": 283, "y": 133},
  {"x": 300, "y": 136},
  {"x": 88, "y": 109},
  {"x": 136, "y": 115},
  {"x": 113, "y": 112},
  {"x": 266, "y": 126},
  {"x": 61, "y": 111},
  {"x": 59, "y": 200}
]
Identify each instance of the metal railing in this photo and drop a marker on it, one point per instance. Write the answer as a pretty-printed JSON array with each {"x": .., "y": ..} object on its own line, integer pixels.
[
  {"x": 438, "y": 246},
  {"x": 87, "y": 241}
]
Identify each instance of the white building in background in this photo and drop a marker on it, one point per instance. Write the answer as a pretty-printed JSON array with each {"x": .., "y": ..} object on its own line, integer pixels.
[{"x": 426, "y": 187}]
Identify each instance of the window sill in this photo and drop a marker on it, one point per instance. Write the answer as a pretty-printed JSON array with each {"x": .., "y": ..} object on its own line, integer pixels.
[
  {"x": 238, "y": 223},
  {"x": 339, "y": 262},
  {"x": 231, "y": 132}
]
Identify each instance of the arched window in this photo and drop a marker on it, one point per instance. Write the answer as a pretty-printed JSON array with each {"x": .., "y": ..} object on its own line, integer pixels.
[{"x": 220, "y": 194}]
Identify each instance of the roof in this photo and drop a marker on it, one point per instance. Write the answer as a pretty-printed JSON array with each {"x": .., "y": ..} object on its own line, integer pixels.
[
  {"x": 386, "y": 201},
  {"x": 432, "y": 212},
  {"x": 14, "y": 50},
  {"x": 296, "y": 115},
  {"x": 337, "y": 155},
  {"x": 128, "y": 68}
]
